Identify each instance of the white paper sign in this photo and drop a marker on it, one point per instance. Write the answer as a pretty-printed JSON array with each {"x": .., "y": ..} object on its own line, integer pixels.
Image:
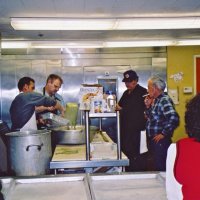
[{"x": 143, "y": 142}]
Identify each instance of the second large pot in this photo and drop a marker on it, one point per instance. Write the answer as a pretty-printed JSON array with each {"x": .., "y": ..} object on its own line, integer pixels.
[
  {"x": 29, "y": 152},
  {"x": 71, "y": 135}
]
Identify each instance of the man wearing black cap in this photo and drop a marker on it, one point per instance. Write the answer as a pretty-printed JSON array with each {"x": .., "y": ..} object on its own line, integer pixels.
[{"x": 132, "y": 120}]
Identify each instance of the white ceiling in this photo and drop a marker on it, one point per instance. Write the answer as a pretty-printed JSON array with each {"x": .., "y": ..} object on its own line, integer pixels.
[{"x": 97, "y": 9}]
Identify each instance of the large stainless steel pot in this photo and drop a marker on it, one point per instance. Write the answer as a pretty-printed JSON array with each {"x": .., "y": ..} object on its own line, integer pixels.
[
  {"x": 71, "y": 134},
  {"x": 29, "y": 152}
]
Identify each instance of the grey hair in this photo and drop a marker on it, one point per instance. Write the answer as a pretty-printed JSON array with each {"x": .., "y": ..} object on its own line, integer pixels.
[{"x": 158, "y": 82}]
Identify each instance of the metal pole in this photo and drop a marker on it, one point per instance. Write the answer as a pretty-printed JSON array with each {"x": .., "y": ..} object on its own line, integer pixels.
[
  {"x": 87, "y": 134},
  {"x": 100, "y": 124},
  {"x": 119, "y": 153},
  {"x": 81, "y": 115}
]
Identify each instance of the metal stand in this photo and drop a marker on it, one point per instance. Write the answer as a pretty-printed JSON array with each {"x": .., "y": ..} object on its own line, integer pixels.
[
  {"x": 87, "y": 134},
  {"x": 88, "y": 163},
  {"x": 119, "y": 153}
]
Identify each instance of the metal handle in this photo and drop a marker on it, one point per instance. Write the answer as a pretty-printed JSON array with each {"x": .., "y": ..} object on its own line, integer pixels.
[{"x": 39, "y": 147}]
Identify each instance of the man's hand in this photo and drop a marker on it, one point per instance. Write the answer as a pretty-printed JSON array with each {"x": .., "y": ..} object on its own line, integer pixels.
[
  {"x": 44, "y": 108},
  {"x": 158, "y": 137},
  {"x": 118, "y": 107},
  {"x": 148, "y": 102},
  {"x": 59, "y": 107}
]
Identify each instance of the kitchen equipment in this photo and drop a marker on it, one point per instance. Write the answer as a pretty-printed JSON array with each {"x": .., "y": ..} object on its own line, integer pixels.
[
  {"x": 103, "y": 150},
  {"x": 46, "y": 188},
  {"x": 54, "y": 120},
  {"x": 71, "y": 113},
  {"x": 3, "y": 130},
  {"x": 111, "y": 102},
  {"x": 71, "y": 134},
  {"x": 142, "y": 186},
  {"x": 29, "y": 152}
]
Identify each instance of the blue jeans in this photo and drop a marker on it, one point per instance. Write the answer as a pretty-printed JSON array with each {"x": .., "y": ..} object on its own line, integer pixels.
[{"x": 158, "y": 151}]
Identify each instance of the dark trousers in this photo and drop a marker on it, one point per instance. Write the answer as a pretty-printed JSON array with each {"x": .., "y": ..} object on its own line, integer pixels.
[
  {"x": 137, "y": 163},
  {"x": 158, "y": 153}
]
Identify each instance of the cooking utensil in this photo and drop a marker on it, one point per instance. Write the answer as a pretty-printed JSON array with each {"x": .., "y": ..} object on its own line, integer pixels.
[
  {"x": 29, "y": 152},
  {"x": 71, "y": 135}
]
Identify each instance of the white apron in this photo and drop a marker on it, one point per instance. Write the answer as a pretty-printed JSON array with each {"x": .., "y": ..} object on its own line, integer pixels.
[{"x": 31, "y": 125}]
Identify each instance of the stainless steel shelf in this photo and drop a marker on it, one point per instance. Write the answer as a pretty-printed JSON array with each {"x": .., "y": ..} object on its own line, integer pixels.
[
  {"x": 88, "y": 164},
  {"x": 102, "y": 115}
]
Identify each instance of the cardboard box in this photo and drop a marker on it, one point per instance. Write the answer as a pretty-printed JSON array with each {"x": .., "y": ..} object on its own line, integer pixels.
[{"x": 87, "y": 92}]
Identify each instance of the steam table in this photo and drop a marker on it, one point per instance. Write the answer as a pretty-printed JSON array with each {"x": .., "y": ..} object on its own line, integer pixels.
[
  {"x": 78, "y": 156},
  {"x": 73, "y": 156}
]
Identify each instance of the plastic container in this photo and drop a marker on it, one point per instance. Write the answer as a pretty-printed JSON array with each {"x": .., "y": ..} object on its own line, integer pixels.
[
  {"x": 111, "y": 102},
  {"x": 71, "y": 113}
]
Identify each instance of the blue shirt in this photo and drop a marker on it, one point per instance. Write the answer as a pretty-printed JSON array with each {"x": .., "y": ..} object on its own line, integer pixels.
[
  {"x": 161, "y": 117},
  {"x": 57, "y": 97},
  {"x": 23, "y": 107}
]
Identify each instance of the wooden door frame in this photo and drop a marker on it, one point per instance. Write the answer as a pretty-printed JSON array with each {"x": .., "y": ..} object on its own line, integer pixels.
[{"x": 195, "y": 72}]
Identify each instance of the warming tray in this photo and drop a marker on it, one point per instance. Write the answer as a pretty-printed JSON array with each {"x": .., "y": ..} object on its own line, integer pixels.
[
  {"x": 46, "y": 188},
  {"x": 137, "y": 186}
]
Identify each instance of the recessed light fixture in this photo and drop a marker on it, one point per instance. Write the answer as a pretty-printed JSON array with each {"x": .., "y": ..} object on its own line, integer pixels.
[
  {"x": 10, "y": 44},
  {"x": 137, "y": 23}
]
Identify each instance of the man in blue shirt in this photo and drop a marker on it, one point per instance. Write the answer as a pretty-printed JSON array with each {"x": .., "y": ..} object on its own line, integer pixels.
[
  {"x": 162, "y": 120},
  {"x": 53, "y": 84},
  {"x": 23, "y": 107}
]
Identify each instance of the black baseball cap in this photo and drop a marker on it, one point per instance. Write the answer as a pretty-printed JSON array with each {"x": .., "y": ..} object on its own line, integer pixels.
[{"x": 129, "y": 76}]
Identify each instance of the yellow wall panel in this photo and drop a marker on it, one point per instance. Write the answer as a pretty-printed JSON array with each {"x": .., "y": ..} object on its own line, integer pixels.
[{"x": 181, "y": 59}]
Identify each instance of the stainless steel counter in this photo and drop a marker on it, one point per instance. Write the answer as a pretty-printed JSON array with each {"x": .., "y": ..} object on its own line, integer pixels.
[
  {"x": 46, "y": 188},
  {"x": 126, "y": 186},
  {"x": 138, "y": 186}
]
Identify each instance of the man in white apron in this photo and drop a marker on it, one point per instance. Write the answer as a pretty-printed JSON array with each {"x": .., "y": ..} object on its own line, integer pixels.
[{"x": 23, "y": 107}]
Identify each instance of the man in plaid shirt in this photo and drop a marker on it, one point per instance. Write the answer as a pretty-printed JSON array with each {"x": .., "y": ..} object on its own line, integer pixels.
[{"x": 162, "y": 120}]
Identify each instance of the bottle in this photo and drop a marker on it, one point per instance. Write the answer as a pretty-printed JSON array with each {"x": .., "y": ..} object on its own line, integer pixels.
[{"x": 111, "y": 102}]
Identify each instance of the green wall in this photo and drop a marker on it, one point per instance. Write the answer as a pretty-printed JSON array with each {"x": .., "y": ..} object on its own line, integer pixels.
[{"x": 181, "y": 59}]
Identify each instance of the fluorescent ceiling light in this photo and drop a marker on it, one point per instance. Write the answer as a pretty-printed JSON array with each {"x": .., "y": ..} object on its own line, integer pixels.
[
  {"x": 105, "y": 24},
  {"x": 50, "y": 44},
  {"x": 138, "y": 43},
  {"x": 64, "y": 44},
  {"x": 158, "y": 23},
  {"x": 61, "y": 24},
  {"x": 188, "y": 42},
  {"x": 95, "y": 44},
  {"x": 15, "y": 44}
]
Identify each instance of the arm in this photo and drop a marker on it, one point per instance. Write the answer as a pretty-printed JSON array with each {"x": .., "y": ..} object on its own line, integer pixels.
[
  {"x": 171, "y": 118},
  {"x": 39, "y": 109},
  {"x": 59, "y": 107},
  {"x": 44, "y": 102}
]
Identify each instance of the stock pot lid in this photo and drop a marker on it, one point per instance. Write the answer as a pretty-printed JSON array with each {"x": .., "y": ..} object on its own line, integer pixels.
[{"x": 27, "y": 133}]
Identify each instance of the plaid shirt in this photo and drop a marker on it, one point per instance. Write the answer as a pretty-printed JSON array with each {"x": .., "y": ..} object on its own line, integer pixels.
[{"x": 161, "y": 117}]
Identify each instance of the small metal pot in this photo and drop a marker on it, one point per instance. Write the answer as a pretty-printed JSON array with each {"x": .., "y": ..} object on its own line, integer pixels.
[
  {"x": 71, "y": 134},
  {"x": 29, "y": 152}
]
